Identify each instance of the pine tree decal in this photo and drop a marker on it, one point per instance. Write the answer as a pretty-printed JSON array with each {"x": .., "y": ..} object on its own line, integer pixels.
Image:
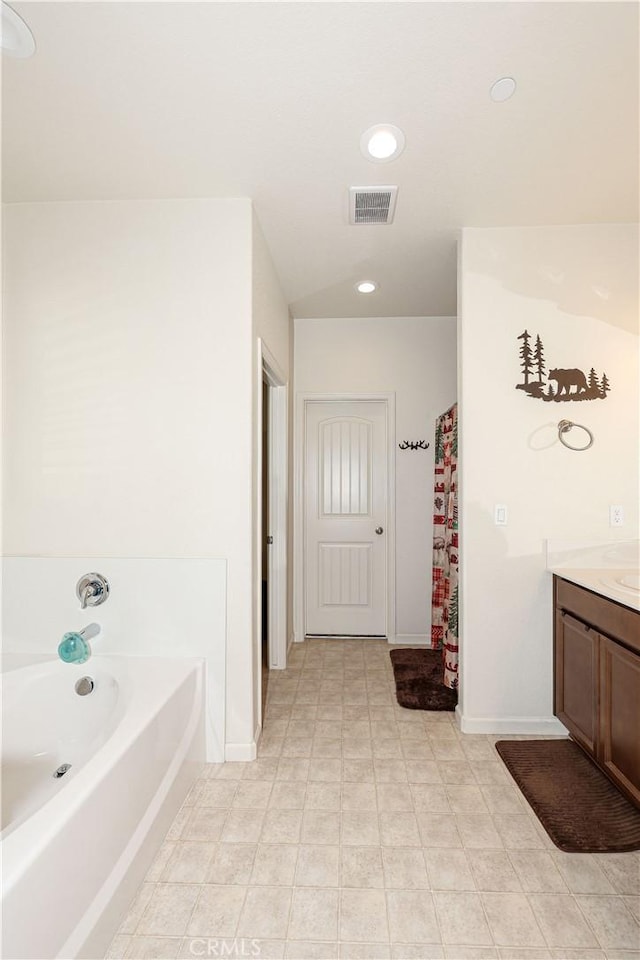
[
  {"x": 538, "y": 356},
  {"x": 594, "y": 386},
  {"x": 439, "y": 454},
  {"x": 454, "y": 438},
  {"x": 452, "y": 622},
  {"x": 525, "y": 356},
  {"x": 604, "y": 386}
]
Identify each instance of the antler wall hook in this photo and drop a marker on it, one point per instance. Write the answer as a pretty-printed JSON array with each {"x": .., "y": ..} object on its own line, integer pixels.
[{"x": 414, "y": 445}]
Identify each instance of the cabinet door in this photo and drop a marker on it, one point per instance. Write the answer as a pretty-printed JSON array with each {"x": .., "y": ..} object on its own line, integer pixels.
[
  {"x": 576, "y": 679},
  {"x": 620, "y": 715}
]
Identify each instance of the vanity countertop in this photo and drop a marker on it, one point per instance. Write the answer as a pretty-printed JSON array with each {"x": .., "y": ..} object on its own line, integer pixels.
[{"x": 621, "y": 585}]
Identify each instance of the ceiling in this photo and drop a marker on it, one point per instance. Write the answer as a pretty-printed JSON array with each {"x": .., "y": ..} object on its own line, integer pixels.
[{"x": 268, "y": 100}]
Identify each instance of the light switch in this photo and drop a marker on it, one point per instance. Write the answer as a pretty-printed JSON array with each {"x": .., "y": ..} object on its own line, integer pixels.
[{"x": 500, "y": 515}]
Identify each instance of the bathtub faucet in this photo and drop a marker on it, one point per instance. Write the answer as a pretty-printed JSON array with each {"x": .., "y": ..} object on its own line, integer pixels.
[
  {"x": 74, "y": 647},
  {"x": 92, "y": 590}
]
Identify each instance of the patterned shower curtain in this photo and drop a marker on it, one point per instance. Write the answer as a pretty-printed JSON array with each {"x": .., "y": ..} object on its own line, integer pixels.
[{"x": 444, "y": 598}]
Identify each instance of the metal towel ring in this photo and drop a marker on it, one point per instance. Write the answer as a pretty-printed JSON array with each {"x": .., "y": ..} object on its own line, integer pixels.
[{"x": 564, "y": 426}]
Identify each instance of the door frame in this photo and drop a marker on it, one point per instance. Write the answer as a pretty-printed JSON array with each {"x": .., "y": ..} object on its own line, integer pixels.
[
  {"x": 269, "y": 370},
  {"x": 299, "y": 532}
]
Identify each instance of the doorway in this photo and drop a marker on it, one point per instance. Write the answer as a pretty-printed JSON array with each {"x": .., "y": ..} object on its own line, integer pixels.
[{"x": 347, "y": 515}]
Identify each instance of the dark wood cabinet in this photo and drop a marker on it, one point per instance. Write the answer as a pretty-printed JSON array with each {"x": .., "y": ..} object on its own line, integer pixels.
[{"x": 597, "y": 680}]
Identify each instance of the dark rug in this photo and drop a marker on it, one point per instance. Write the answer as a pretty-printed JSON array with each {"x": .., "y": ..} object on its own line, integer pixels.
[
  {"x": 418, "y": 675},
  {"x": 578, "y": 806}
]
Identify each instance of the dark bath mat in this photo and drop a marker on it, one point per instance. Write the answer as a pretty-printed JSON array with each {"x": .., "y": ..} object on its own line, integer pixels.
[
  {"x": 578, "y": 806},
  {"x": 418, "y": 674}
]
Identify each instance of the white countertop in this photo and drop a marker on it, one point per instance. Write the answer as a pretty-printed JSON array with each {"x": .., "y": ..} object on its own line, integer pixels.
[{"x": 621, "y": 584}]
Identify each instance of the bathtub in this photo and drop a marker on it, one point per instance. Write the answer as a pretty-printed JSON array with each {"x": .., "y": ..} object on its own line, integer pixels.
[{"x": 75, "y": 847}]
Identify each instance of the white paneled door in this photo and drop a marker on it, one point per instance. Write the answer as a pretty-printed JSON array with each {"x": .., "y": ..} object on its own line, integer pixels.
[{"x": 346, "y": 492}]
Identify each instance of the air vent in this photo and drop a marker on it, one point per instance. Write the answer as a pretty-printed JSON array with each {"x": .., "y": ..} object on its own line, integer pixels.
[{"x": 372, "y": 204}]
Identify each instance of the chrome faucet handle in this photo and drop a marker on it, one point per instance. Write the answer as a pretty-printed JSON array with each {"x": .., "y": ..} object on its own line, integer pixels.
[{"x": 92, "y": 590}]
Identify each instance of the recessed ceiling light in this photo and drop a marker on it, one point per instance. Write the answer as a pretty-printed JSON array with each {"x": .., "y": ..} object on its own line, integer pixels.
[
  {"x": 16, "y": 40},
  {"x": 382, "y": 143},
  {"x": 503, "y": 89},
  {"x": 366, "y": 286}
]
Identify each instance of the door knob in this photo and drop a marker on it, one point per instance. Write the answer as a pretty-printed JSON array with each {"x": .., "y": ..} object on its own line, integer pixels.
[{"x": 379, "y": 530}]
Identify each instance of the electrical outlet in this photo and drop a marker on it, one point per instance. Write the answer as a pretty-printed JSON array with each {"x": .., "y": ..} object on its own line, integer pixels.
[
  {"x": 616, "y": 516},
  {"x": 500, "y": 515}
]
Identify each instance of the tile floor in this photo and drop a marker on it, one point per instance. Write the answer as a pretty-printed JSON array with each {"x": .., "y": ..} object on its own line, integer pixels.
[{"x": 367, "y": 831}]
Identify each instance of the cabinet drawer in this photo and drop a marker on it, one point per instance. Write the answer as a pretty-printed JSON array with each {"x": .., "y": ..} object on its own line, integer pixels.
[{"x": 605, "y": 615}]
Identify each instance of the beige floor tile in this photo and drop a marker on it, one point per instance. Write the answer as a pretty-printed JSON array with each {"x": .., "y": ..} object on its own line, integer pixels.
[
  {"x": 324, "y": 796},
  {"x": 462, "y": 919},
  {"x": 561, "y": 921},
  {"x": 359, "y": 829},
  {"x": 356, "y": 729},
  {"x": 328, "y": 729},
  {"x": 365, "y": 951},
  {"x": 417, "y": 750},
  {"x": 361, "y": 867},
  {"x": 390, "y": 771},
  {"x": 394, "y": 797},
  {"x": 430, "y": 797},
  {"x": 447, "y": 750},
  {"x": 160, "y": 861},
  {"x": 418, "y": 951},
  {"x": 537, "y": 871},
  {"x": 357, "y": 770},
  {"x": 297, "y": 747},
  {"x": 318, "y": 865},
  {"x": 286, "y": 795},
  {"x": 390, "y": 749},
  {"x": 290, "y": 768},
  {"x": 265, "y": 768},
  {"x": 582, "y": 873},
  {"x": 456, "y": 771},
  {"x": 217, "y": 911},
  {"x": 274, "y": 864},
  {"x": 525, "y": 953},
  {"x": 614, "y": 925},
  {"x": 300, "y": 729},
  {"x": 493, "y": 772},
  {"x": 448, "y": 869},
  {"x": 118, "y": 947},
  {"x": 231, "y": 863},
  {"x": 518, "y": 832},
  {"x": 478, "y": 831},
  {"x": 253, "y": 793},
  {"x": 310, "y": 950},
  {"x": 138, "y": 906},
  {"x": 323, "y": 749},
  {"x": 243, "y": 826},
  {"x": 265, "y": 913},
  {"x": 504, "y": 799},
  {"x": 583, "y": 954},
  {"x": 325, "y": 770},
  {"x": 205, "y": 823},
  {"x": 217, "y": 793},
  {"x": 455, "y": 951},
  {"x": 153, "y": 948},
  {"x": 169, "y": 909},
  {"x": 438, "y": 830},
  {"x": 493, "y": 871},
  {"x": 314, "y": 914},
  {"x": 363, "y": 916},
  {"x": 633, "y": 903},
  {"x": 466, "y": 798},
  {"x": 512, "y": 920},
  {"x": 359, "y": 796},
  {"x": 412, "y": 917},
  {"x": 404, "y": 868},
  {"x": 354, "y": 748},
  {"x": 321, "y": 826},
  {"x": 189, "y": 862},
  {"x": 623, "y": 870},
  {"x": 399, "y": 829},
  {"x": 282, "y": 826}
]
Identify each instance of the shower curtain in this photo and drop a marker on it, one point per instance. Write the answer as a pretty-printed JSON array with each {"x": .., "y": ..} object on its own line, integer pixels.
[{"x": 444, "y": 597}]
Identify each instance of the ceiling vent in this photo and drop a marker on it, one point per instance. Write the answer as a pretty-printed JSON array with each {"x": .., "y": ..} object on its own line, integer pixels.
[{"x": 372, "y": 204}]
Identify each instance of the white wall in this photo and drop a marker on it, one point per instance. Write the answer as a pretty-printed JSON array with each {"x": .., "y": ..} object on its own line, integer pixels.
[
  {"x": 416, "y": 358},
  {"x": 272, "y": 325},
  {"x": 129, "y": 378},
  {"x": 578, "y": 288}
]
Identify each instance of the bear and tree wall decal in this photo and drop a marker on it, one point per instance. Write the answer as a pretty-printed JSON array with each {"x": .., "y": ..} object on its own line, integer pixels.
[{"x": 560, "y": 384}]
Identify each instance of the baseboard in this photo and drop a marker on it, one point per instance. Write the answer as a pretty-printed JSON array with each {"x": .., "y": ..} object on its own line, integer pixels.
[
  {"x": 514, "y": 726},
  {"x": 240, "y": 752},
  {"x": 415, "y": 639}
]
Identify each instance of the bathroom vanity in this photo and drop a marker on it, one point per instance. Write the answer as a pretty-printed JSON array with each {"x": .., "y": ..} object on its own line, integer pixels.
[{"x": 597, "y": 674}]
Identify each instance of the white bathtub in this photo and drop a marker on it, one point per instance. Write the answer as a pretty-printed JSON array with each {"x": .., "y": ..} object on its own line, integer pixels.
[{"x": 74, "y": 849}]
